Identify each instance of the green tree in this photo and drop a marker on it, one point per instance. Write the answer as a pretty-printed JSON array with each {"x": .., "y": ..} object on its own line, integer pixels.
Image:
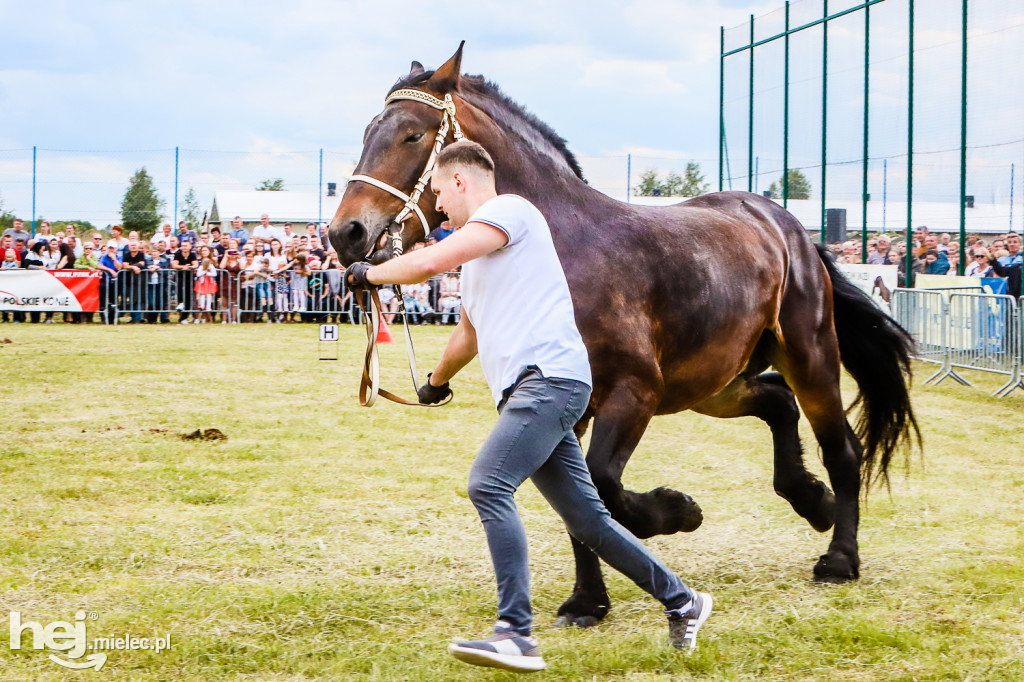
[
  {"x": 271, "y": 185},
  {"x": 189, "y": 208},
  {"x": 6, "y": 217},
  {"x": 82, "y": 226},
  {"x": 648, "y": 184},
  {"x": 799, "y": 186},
  {"x": 690, "y": 184},
  {"x": 141, "y": 207},
  {"x": 693, "y": 181}
]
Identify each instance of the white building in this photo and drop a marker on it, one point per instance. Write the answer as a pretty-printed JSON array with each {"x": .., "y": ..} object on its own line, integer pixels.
[{"x": 295, "y": 207}]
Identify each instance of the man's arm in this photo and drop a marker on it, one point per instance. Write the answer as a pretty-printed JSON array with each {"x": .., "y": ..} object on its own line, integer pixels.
[
  {"x": 472, "y": 241},
  {"x": 461, "y": 348}
]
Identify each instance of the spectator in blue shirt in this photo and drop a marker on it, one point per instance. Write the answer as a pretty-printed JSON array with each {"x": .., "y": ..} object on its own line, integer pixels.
[
  {"x": 1010, "y": 266},
  {"x": 935, "y": 263},
  {"x": 238, "y": 232},
  {"x": 184, "y": 233},
  {"x": 443, "y": 230},
  {"x": 110, "y": 264}
]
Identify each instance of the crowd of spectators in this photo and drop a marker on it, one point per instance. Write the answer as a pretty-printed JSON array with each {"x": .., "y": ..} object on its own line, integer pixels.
[
  {"x": 277, "y": 275},
  {"x": 274, "y": 275},
  {"x": 937, "y": 254}
]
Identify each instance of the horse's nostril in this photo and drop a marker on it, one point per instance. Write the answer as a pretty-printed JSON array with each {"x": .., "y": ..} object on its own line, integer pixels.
[{"x": 356, "y": 232}]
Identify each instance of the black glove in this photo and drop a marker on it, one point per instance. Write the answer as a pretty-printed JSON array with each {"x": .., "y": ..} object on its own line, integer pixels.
[
  {"x": 356, "y": 275},
  {"x": 429, "y": 394}
]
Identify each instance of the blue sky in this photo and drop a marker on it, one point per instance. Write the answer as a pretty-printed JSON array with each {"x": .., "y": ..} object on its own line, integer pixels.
[
  {"x": 241, "y": 76},
  {"x": 262, "y": 86},
  {"x": 259, "y": 77}
]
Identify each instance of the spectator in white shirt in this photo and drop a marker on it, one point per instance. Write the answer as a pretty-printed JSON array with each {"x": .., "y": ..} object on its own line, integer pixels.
[
  {"x": 163, "y": 237},
  {"x": 264, "y": 230}
]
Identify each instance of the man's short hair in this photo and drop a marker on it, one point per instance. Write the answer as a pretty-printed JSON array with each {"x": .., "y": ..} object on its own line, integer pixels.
[{"x": 466, "y": 153}]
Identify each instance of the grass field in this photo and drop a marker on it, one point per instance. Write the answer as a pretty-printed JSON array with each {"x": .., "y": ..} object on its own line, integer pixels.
[{"x": 325, "y": 541}]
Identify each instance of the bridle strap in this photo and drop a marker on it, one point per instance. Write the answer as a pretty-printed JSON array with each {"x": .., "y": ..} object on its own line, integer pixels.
[
  {"x": 448, "y": 123},
  {"x": 369, "y": 384},
  {"x": 395, "y": 192}
]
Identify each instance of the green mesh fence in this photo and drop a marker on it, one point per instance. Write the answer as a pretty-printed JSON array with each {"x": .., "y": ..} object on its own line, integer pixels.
[{"x": 809, "y": 106}]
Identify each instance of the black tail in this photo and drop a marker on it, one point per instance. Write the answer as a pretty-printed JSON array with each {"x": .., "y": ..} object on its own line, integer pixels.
[{"x": 876, "y": 351}]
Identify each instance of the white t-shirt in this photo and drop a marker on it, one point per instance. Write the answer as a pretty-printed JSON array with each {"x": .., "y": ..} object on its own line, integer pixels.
[
  {"x": 276, "y": 262},
  {"x": 518, "y": 300},
  {"x": 265, "y": 233}
]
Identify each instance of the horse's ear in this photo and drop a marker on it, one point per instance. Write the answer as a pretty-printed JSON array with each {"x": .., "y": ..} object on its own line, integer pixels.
[
  {"x": 446, "y": 78},
  {"x": 416, "y": 69}
]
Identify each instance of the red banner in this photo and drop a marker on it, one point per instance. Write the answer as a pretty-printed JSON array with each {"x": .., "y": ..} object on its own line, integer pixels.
[{"x": 50, "y": 290}]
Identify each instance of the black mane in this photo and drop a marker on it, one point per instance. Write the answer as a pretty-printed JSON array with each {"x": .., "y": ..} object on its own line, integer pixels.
[{"x": 485, "y": 88}]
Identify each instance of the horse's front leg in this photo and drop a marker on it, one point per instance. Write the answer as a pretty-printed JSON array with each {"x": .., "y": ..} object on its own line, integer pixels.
[{"x": 619, "y": 422}]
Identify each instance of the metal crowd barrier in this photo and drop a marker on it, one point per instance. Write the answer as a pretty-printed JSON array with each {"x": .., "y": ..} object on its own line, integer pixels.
[
  {"x": 965, "y": 331},
  {"x": 156, "y": 296}
]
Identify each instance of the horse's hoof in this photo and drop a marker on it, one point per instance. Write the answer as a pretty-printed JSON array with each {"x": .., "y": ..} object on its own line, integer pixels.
[
  {"x": 836, "y": 568},
  {"x": 824, "y": 515},
  {"x": 570, "y": 621},
  {"x": 679, "y": 512},
  {"x": 583, "y": 610},
  {"x": 813, "y": 501}
]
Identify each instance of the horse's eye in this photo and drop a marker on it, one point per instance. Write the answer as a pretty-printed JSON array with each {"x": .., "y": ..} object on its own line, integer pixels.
[{"x": 415, "y": 137}]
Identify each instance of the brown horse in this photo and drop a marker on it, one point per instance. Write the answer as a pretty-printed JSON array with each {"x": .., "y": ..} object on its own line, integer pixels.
[{"x": 681, "y": 308}]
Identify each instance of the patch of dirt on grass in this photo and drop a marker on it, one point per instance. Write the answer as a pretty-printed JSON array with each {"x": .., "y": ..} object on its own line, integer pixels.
[{"x": 208, "y": 434}]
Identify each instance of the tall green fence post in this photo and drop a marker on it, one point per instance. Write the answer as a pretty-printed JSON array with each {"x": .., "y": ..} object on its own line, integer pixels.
[
  {"x": 721, "y": 108},
  {"x": 910, "y": 146},
  {"x": 864, "y": 179},
  {"x": 785, "y": 117},
  {"x": 824, "y": 117},
  {"x": 963, "y": 144},
  {"x": 750, "y": 113}
]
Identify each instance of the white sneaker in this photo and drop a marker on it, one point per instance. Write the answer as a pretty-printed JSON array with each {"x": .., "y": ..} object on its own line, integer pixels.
[
  {"x": 505, "y": 649},
  {"x": 683, "y": 624}
]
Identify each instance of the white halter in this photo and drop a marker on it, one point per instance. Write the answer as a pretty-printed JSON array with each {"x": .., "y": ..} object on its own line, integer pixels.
[
  {"x": 369, "y": 386},
  {"x": 448, "y": 122}
]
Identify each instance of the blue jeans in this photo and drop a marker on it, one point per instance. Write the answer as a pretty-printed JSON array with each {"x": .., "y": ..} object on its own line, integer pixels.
[{"x": 534, "y": 439}]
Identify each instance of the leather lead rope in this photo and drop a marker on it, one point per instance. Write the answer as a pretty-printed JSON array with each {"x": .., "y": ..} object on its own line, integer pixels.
[{"x": 369, "y": 383}]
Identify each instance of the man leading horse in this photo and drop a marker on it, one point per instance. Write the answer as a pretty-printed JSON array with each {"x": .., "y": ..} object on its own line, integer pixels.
[{"x": 518, "y": 315}]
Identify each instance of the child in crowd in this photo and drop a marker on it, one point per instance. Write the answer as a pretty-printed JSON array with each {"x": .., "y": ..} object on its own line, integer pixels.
[
  {"x": 206, "y": 289},
  {"x": 10, "y": 262},
  {"x": 230, "y": 267},
  {"x": 279, "y": 263},
  {"x": 299, "y": 281},
  {"x": 262, "y": 278},
  {"x": 158, "y": 284}
]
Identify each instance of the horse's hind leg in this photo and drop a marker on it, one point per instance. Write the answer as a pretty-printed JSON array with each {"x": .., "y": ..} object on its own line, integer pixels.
[
  {"x": 809, "y": 359},
  {"x": 769, "y": 398},
  {"x": 619, "y": 423}
]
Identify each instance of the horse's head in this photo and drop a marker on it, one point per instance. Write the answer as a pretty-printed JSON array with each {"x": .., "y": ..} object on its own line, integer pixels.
[{"x": 397, "y": 145}]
